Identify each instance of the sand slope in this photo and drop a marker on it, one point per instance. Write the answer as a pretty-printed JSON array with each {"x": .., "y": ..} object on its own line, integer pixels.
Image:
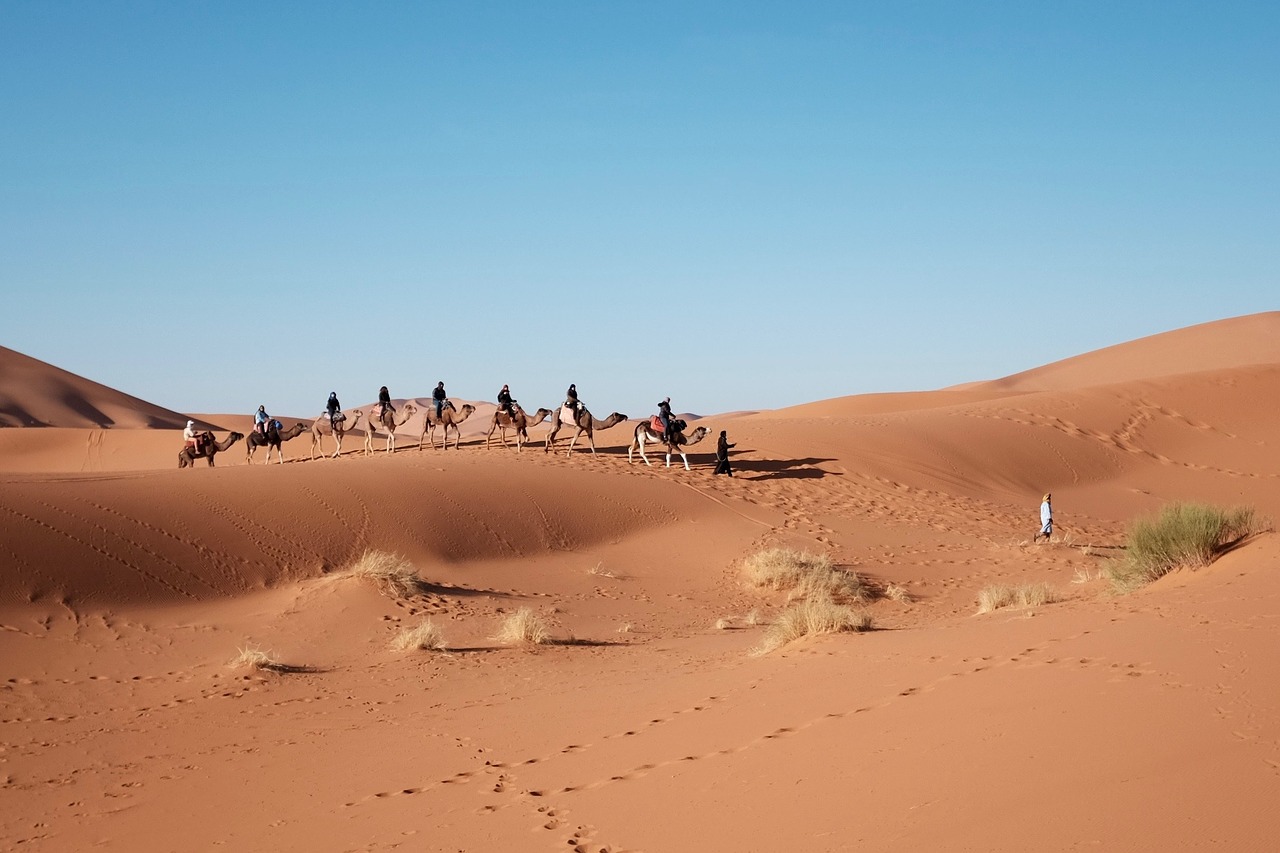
[
  {"x": 1146, "y": 721},
  {"x": 33, "y": 393}
]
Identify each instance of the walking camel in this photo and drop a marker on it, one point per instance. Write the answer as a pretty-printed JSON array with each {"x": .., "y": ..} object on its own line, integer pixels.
[
  {"x": 584, "y": 422},
  {"x": 188, "y": 455},
  {"x": 520, "y": 422},
  {"x": 273, "y": 439},
  {"x": 323, "y": 427},
  {"x": 648, "y": 431},
  {"x": 449, "y": 417},
  {"x": 388, "y": 422}
]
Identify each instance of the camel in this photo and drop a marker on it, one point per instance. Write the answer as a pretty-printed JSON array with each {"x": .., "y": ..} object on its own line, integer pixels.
[
  {"x": 187, "y": 456},
  {"x": 646, "y": 432},
  {"x": 584, "y": 422},
  {"x": 273, "y": 438},
  {"x": 323, "y": 427},
  {"x": 388, "y": 422},
  {"x": 449, "y": 417},
  {"x": 520, "y": 422}
]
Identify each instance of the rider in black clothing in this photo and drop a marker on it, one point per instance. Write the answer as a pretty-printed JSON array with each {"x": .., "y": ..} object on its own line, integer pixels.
[
  {"x": 505, "y": 400},
  {"x": 384, "y": 402},
  {"x": 439, "y": 396},
  {"x": 333, "y": 406},
  {"x": 664, "y": 415}
]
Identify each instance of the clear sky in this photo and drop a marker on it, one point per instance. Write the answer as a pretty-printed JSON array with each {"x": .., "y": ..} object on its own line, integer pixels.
[{"x": 740, "y": 205}]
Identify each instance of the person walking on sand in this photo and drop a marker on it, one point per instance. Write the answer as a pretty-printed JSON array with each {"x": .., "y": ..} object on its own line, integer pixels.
[
  {"x": 722, "y": 455},
  {"x": 1046, "y": 519}
]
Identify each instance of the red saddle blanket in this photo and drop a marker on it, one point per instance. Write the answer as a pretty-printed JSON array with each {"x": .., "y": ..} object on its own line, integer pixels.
[{"x": 655, "y": 424}]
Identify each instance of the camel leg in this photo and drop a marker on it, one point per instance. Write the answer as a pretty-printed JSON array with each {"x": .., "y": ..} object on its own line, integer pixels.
[
  {"x": 640, "y": 442},
  {"x": 685, "y": 458}
]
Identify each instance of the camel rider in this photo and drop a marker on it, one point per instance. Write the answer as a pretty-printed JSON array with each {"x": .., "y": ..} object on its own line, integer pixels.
[
  {"x": 191, "y": 438},
  {"x": 439, "y": 396},
  {"x": 384, "y": 402},
  {"x": 260, "y": 420},
  {"x": 505, "y": 400},
  {"x": 664, "y": 416},
  {"x": 571, "y": 398},
  {"x": 333, "y": 407}
]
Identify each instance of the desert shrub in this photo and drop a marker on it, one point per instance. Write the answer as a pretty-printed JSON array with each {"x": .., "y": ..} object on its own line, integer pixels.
[
  {"x": 391, "y": 573},
  {"x": 809, "y": 618},
  {"x": 523, "y": 627},
  {"x": 1180, "y": 536},
  {"x": 1022, "y": 596},
  {"x": 254, "y": 658},
  {"x": 426, "y": 636},
  {"x": 802, "y": 575}
]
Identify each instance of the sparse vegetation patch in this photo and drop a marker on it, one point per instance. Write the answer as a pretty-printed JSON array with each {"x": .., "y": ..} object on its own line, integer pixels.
[
  {"x": 253, "y": 657},
  {"x": 391, "y": 573},
  {"x": 802, "y": 575},
  {"x": 524, "y": 627},
  {"x": 425, "y": 636},
  {"x": 811, "y": 618},
  {"x": 1183, "y": 535},
  {"x": 1022, "y": 596}
]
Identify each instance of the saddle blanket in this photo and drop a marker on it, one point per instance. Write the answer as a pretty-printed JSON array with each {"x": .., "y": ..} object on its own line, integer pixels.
[{"x": 568, "y": 415}]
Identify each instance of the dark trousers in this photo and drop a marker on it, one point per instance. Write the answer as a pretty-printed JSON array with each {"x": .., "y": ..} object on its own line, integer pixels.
[{"x": 722, "y": 467}]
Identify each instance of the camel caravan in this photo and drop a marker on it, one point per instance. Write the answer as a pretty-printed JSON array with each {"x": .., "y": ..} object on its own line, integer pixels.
[{"x": 442, "y": 416}]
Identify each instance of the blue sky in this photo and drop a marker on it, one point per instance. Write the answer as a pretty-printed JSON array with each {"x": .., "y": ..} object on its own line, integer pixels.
[{"x": 739, "y": 205}]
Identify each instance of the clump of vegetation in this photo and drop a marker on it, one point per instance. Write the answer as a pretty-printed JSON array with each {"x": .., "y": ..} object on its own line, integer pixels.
[
  {"x": 425, "y": 636},
  {"x": 1183, "y": 535},
  {"x": 810, "y": 618},
  {"x": 1022, "y": 596},
  {"x": 391, "y": 573},
  {"x": 524, "y": 627},
  {"x": 255, "y": 658},
  {"x": 802, "y": 575}
]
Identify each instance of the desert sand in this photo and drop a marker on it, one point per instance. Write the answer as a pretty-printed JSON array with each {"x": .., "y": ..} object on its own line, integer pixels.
[{"x": 1149, "y": 720}]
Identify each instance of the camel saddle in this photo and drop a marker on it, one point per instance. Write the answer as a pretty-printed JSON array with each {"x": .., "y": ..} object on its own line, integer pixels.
[
  {"x": 568, "y": 415},
  {"x": 655, "y": 424}
]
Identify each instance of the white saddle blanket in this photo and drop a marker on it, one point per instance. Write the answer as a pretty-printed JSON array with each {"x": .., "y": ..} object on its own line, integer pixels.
[{"x": 568, "y": 415}]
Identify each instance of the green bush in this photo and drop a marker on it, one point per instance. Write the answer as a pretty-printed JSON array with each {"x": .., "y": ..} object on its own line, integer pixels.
[{"x": 1181, "y": 536}]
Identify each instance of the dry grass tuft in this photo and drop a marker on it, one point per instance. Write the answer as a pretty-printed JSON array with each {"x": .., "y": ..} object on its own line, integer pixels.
[
  {"x": 897, "y": 593},
  {"x": 600, "y": 571},
  {"x": 625, "y": 628},
  {"x": 811, "y": 618},
  {"x": 255, "y": 658},
  {"x": 1025, "y": 595},
  {"x": 426, "y": 636},
  {"x": 1181, "y": 536},
  {"x": 802, "y": 575},
  {"x": 724, "y": 624},
  {"x": 391, "y": 573},
  {"x": 754, "y": 618},
  {"x": 523, "y": 627}
]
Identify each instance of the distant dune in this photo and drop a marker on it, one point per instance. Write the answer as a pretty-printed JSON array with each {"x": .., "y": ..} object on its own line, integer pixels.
[
  {"x": 36, "y": 394},
  {"x": 649, "y": 722}
]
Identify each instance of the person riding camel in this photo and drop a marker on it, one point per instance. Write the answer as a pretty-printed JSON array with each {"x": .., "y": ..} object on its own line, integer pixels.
[
  {"x": 664, "y": 416},
  {"x": 505, "y": 400},
  {"x": 333, "y": 407},
  {"x": 571, "y": 398},
  {"x": 260, "y": 420},
  {"x": 191, "y": 438},
  {"x": 384, "y": 402},
  {"x": 439, "y": 397}
]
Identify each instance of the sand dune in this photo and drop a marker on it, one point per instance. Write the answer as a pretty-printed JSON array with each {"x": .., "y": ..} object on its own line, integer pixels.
[{"x": 1147, "y": 721}]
